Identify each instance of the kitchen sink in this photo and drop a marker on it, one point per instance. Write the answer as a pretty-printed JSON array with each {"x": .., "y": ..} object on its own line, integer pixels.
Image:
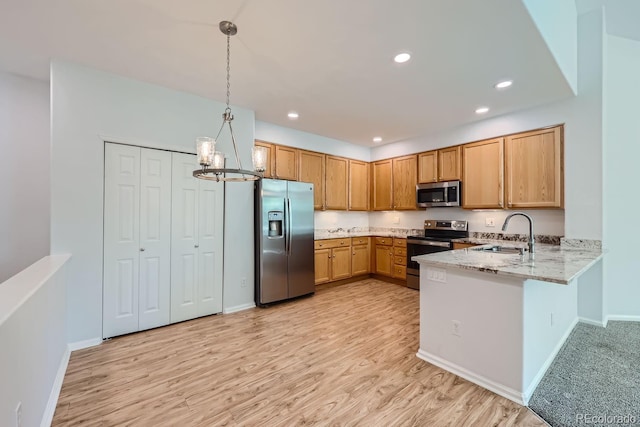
[{"x": 507, "y": 250}]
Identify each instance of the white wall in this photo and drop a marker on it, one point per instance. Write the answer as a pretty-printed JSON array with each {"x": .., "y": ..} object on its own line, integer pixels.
[
  {"x": 33, "y": 339},
  {"x": 621, "y": 176},
  {"x": 309, "y": 141},
  {"x": 88, "y": 107},
  {"x": 557, "y": 23},
  {"x": 24, "y": 172}
]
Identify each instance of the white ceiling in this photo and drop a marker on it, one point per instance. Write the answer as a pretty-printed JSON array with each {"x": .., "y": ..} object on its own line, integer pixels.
[{"x": 330, "y": 60}]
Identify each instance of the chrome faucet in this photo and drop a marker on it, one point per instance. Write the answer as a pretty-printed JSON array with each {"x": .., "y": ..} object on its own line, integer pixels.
[{"x": 531, "y": 242}]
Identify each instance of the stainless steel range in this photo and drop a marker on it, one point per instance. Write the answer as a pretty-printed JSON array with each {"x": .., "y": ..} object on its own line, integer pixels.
[{"x": 437, "y": 237}]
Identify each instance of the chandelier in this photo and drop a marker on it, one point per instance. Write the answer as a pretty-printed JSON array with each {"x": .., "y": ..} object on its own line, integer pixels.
[{"x": 212, "y": 162}]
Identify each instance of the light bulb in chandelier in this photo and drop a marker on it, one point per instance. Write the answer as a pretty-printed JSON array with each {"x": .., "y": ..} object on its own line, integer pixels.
[
  {"x": 259, "y": 157},
  {"x": 205, "y": 147}
]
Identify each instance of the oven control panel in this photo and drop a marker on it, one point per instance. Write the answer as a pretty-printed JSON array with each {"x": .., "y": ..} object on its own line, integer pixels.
[{"x": 438, "y": 224}]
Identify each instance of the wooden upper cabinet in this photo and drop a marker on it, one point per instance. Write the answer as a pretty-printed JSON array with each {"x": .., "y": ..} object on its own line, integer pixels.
[
  {"x": 440, "y": 165},
  {"x": 483, "y": 174},
  {"x": 428, "y": 167},
  {"x": 534, "y": 169},
  {"x": 358, "y": 185},
  {"x": 271, "y": 157},
  {"x": 286, "y": 163},
  {"x": 311, "y": 169},
  {"x": 381, "y": 181},
  {"x": 405, "y": 171},
  {"x": 450, "y": 164},
  {"x": 336, "y": 182}
]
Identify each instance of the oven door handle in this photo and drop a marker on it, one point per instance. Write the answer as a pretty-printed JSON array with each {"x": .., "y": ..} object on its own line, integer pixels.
[{"x": 429, "y": 243}]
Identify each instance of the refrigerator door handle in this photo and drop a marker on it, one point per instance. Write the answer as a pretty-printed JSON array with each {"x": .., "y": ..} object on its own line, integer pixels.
[{"x": 289, "y": 232}]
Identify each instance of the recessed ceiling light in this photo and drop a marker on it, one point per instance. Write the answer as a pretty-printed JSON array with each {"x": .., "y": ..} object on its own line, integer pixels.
[
  {"x": 293, "y": 115},
  {"x": 482, "y": 110},
  {"x": 504, "y": 84},
  {"x": 402, "y": 57},
  {"x": 377, "y": 139}
]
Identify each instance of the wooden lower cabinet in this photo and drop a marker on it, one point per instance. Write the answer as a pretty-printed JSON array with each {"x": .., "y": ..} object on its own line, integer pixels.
[
  {"x": 322, "y": 268},
  {"x": 460, "y": 245},
  {"x": 360, "y": 256},
  {"x": 400, "y": 258},
  {"x": 384, "y": 256},
  {"x": 340, "y": 263},
  {"x": 332, "y": 260}
]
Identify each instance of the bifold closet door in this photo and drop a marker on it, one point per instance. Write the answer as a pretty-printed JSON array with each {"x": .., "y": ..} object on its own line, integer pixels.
[
  {"x": 137, "y": 233},
  {"x": 196, "y": 242},
  {"x": 155, "y": 239}
]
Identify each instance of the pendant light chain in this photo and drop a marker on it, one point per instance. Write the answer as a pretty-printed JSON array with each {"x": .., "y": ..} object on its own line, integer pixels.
[{"x": 228, "y": 109}]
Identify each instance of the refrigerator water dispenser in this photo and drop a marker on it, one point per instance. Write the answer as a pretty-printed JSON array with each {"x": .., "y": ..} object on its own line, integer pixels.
[{"x": 275, "y": 223}]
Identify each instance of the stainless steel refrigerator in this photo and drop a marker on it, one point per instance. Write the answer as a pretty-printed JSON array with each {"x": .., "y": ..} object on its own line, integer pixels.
[{"x": 284, "y": 240}]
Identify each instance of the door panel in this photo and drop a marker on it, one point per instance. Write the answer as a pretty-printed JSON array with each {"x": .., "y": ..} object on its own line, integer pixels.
[
  {"x": 273, "y": 269},
  {"x": 301, "y": 257},
  {"x": 210, "y": 242},
  {"x": 155, "y": 238},
  {"x": 184, "y": 243},
  {"x": 121, "y": 239}
]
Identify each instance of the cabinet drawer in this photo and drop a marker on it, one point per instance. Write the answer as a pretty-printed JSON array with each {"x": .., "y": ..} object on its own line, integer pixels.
[
  {"x": 399, "y": 243},
  {"x": 359, "y": 241},
  {"x": 331, "y": 243},
  {"x": 400, "y": 251},
  {"x": 384, "y": 241},
  {"x": 400, "y": 260},
  {"x": 399, "y": 272}
]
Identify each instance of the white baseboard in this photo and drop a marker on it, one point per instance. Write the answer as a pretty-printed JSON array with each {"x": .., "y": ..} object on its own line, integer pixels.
[
  {"x": 623, "y": 318},
  {"x": 602, "y": 323},
  {"x": 543, "y": 369},
  {"x": 50, "y": 410},
  {"x": 79, "y": 345},
  {"x": 237, "y": 308},
  {"x": 500, "y": 389}
]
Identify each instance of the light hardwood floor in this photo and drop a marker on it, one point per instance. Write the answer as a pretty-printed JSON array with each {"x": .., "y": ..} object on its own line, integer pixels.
[{"x": 345, "y": 356}]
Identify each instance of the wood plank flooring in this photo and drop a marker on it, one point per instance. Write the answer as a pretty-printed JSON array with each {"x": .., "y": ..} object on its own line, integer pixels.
[{"x": 345, "y": 356}]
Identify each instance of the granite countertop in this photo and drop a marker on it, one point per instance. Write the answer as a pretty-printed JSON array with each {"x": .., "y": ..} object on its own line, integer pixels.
[
  {"x": 340, "y": 233},
  {"x": 552, "y": 263}
]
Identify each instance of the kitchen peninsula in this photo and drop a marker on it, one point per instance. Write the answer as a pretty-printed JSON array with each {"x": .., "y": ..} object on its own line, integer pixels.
[{"x": 498, "y": 319}]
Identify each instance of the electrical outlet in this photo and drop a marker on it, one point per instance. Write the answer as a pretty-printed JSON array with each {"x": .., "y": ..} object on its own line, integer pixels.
[
  {"x": 243, "y": 282},
  {"x": 490, "y": 222},
  {"x": 437, "y": 274},
  {"x": 455, "y": 328},
  {"x": 19, "y": 415},
  {"x": 396, "y": 219}
]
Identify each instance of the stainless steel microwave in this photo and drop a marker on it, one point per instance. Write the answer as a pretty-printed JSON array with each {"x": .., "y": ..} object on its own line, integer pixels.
[{"x": 438, "y": 194}]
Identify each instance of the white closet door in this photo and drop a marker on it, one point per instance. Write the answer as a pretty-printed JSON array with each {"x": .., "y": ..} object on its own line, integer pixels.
[
  {"x": 184, "y": 238},
  {"x": 196, "y": 242},
  {"x": 155, "y": 238},
  {"x": 210, "y": 238},
  {"x": 121, "y": 239}
]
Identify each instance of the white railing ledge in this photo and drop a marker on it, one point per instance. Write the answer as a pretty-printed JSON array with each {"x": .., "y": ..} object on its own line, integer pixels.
[{"x": 19, "y": 288}]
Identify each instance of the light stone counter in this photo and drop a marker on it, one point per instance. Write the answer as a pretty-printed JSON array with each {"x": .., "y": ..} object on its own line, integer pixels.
[
  {"x": 552, "y": 263},
  {"x": 340, "y": 233}
]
